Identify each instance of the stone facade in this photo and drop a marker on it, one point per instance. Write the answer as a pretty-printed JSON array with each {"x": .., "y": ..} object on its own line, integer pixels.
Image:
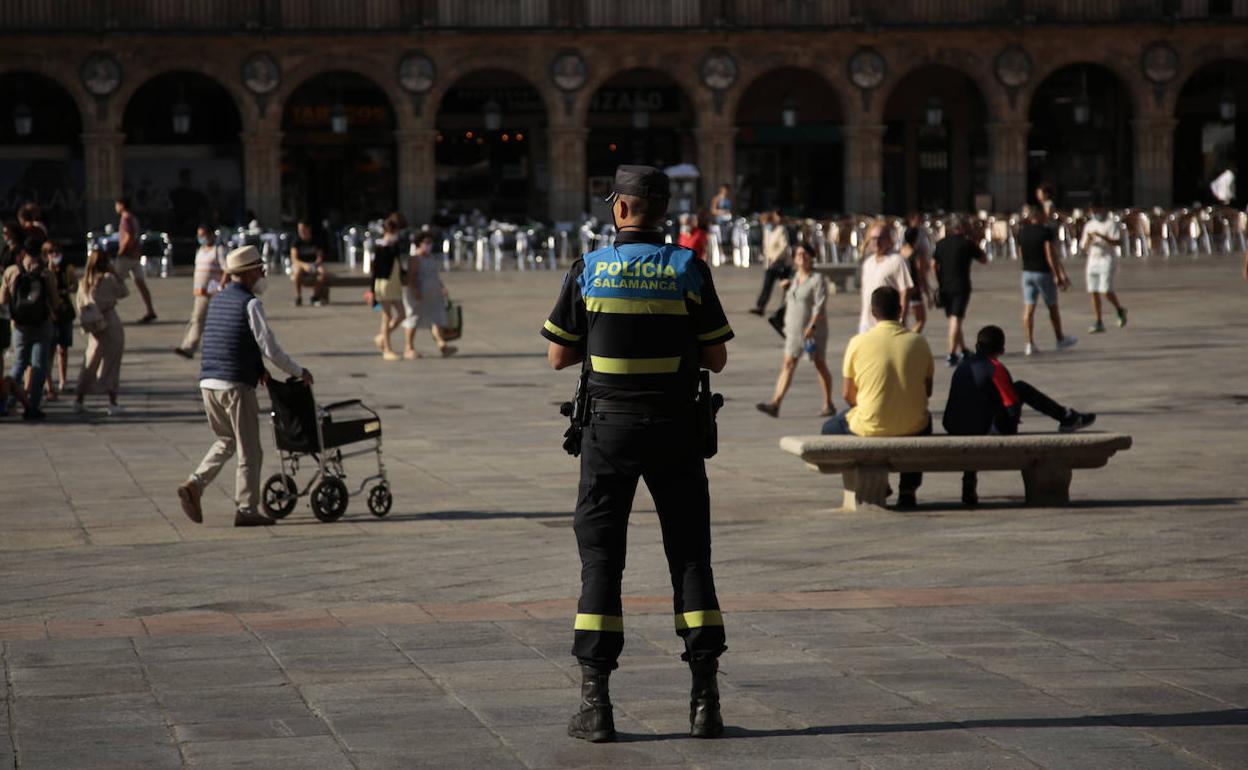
[{"x": 972, "y": 51}]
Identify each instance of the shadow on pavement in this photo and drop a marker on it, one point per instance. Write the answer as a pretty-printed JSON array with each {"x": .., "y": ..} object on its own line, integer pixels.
[
  {"x": 443, "y": 516},
  {"x": 942, "y": 506},
  {"x": 1186, "y": 719}
]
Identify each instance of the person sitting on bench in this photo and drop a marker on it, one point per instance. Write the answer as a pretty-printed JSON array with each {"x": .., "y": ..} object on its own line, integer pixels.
[
  {"x": 984, "y": 399},
  {"x": 887, "y": 381}
]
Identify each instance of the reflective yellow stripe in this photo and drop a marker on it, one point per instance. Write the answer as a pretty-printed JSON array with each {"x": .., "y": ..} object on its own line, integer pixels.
[
  {"x": 695, "y": 297},
  {"x": 613, "y": 623},
  {"x": 555, "y": 330},
  {"x": 721, "y": 331},
  {"x": 636, "y": 306},
  {"x": 698, "y": 619},
  {"x": 604, "y": 365}
]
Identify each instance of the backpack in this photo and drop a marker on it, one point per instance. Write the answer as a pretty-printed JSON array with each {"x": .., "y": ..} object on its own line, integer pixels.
[{"x": 29, "y": 304}]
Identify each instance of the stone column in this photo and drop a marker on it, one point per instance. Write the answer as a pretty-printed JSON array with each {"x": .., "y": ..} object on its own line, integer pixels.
[
  {"x": 567, "y": 172},
  {"x": 1154, "y": 162},
  {"x": 1007, "y": 169},
  {"x": 262, "y": 176},
  {"x": 417, "y": 183},
  {"x": 717, "y": 156},
  {"x": 102, "y": 169},
  {"x": 864, "y": 168}
]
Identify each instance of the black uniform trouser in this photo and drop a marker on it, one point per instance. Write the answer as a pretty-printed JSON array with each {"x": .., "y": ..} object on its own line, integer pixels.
[
  {"x": 1034, "y": 398},
  {"x": 616, "y": 450},
  {"x": 776, "y": 271}
]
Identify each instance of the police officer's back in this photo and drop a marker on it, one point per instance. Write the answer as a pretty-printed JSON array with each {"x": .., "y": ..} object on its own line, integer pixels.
[{"x": 643, "y": 318}]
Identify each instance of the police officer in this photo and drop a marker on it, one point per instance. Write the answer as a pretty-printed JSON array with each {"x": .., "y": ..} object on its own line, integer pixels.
[{"x": 647, "y": 316}]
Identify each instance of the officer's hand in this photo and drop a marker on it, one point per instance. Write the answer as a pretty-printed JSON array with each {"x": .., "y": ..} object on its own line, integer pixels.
[{"x": 306, "y": 376}]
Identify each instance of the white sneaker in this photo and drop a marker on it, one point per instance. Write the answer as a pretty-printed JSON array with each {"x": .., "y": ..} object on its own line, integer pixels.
[
  {"x": 1066, "y": 342},
  {"x": 77, "y": 408},
  {"x": 115, "y": 410},
  {"x": 1029, "y": 349}
]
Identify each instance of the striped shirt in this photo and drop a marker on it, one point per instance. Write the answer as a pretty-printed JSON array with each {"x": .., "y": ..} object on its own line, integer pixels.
[
  {"x": 208, "y": 274},
  {"x": 642, "y": 309}
]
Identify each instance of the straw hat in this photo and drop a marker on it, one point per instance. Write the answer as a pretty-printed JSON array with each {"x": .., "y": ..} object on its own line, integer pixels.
[{"x": 242, "y": 259}]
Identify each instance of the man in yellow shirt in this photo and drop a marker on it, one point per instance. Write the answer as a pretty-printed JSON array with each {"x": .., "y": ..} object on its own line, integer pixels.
[{"x": 887, "y": 378}]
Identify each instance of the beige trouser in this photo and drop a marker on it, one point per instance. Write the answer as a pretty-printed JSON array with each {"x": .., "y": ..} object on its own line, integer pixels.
[
  {"x": 233, "y": 415},
  {"x": 195, "y": 327}
]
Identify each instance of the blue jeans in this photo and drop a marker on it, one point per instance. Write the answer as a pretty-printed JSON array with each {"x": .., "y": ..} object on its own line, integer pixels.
[
  {"x": 32, "y": 347},
  {"x": 1038, "y": 284},
  {"x": 839, "y": 426}
]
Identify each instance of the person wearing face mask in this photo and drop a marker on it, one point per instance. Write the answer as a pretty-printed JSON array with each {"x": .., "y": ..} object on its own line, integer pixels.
[
  {"x": 63, "y": 320},
  {"x": 237, "y": 339},
  {"x": 204, "y": 286},
  {"x": 1100, "y": 241}
]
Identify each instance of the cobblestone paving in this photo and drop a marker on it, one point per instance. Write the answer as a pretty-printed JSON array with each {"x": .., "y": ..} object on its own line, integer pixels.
[{"x": 1109, "y": 634}]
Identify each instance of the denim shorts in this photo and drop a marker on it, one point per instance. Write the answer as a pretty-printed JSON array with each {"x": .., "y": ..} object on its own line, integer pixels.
[{"x": 1039, "y": 284}]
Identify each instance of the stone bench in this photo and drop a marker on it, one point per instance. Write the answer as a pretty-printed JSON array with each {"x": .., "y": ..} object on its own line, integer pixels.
[
  {"x": 338, "y": 278},
  {"x": 839, "y": 275},
  {"x": 1046, "y": 459}
]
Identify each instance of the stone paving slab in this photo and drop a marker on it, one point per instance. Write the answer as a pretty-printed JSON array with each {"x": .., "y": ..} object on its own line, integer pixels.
[{"x": 1112, "y": 633}]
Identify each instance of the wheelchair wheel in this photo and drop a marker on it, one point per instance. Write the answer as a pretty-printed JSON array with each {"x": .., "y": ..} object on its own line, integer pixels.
[
  {"x": 279, "y": 495},
  {"x": 379, "y": 500},
  {"x": 329, "y": 499}
]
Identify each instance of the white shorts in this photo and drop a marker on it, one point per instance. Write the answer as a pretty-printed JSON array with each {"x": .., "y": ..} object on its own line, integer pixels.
[
  {"x": 1100, "y": 278},
  {"x": 129, "y": 266}
]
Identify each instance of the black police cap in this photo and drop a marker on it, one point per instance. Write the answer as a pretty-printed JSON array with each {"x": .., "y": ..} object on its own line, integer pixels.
[{"x": 642, "y": 182}]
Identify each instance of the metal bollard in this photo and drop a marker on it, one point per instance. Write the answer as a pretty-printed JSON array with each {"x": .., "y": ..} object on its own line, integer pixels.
[
  {"x": 713, "y": 244},
  {"x": 481, "y": 245},
  {"x": 496, "y": 249},
  {"x": 524, "y": 260}
]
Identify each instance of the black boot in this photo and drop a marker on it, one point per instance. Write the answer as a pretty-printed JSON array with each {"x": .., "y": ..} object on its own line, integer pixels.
[
  {"x": 705, "y": 720},
  {"x": 594, "y": 722}
]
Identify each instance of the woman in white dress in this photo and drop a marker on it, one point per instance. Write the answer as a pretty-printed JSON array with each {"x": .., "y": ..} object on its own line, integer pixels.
[{"x": 424, "y": 299}]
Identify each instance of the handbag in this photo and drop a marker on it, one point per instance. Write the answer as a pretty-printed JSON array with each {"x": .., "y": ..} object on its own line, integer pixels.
[
  {"x": 776, "y": 320},
  {"x": 454, "y": 320},
  {"x": 92, "y": 319}
]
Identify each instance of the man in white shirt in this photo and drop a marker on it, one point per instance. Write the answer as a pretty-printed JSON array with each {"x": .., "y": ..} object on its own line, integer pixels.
[
  {"x": 1100, "y": 241},
  {"x": 207, "y": 281},
  {"x": 881, "y": 267},
  {"x": 237, "y": 339}
]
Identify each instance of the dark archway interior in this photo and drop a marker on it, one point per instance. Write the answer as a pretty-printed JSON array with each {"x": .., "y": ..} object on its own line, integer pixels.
[
  {"x": 797, "y": 166},
  {"x": 492, "y": 147},
  {"x": 935, "y": 144},
  {"x": 640, "y": 116},
  {"x": 1080, "y": 140},
  {"x": 41, "y": 152},
  {"x": 332, "y": 177},
  {"x": 182, "y": 159},
  {"x": 153, "y": 112},
  {"x": 1212, "y": 131}
]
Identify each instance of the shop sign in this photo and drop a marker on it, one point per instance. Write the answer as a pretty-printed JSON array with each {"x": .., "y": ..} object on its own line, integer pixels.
[
  {"x": 317, "y": 116},
  {"x": 632, "y": 99}
]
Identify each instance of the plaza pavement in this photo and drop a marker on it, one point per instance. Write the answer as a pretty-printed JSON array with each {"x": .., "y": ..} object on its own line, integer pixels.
[{"x": 1109, "y": 634}]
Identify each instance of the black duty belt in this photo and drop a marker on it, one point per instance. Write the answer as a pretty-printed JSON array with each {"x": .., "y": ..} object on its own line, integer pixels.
[{"x": 636, "y": 408}]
